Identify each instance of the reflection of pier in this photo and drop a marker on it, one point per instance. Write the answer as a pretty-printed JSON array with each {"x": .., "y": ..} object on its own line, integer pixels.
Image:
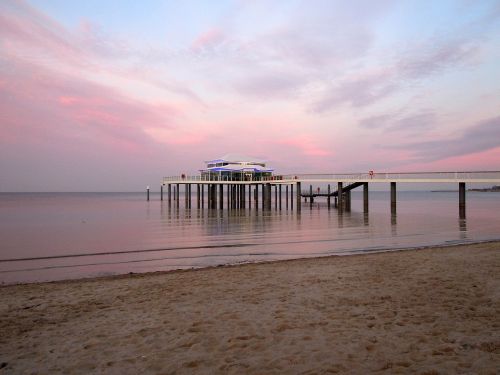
[{"x": 220, "y": 193}]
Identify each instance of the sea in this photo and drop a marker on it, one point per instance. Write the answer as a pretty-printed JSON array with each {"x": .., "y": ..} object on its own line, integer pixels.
[{"x": 57, "y": 236}]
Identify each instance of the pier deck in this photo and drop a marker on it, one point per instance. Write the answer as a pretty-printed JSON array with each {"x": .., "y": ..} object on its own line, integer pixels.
[
  {"x": 406, "y": 177},
  {"x": 236, "y": 189}
]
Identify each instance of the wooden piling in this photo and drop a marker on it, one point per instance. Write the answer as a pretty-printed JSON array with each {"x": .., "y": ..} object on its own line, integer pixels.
[
  {"x": 461, "y": 199},
  {"x": 393, "y": 196},
  {"x": 214, "y": 194},
  {"x": 365, "y": 197},
  {"x": 269, "y": 194},
  {"x": 198, "y": 196},
  {"x": 279, "y": 194},
  {"x": 161, "y": 192},
  {"x": 275, "y": 197},
  {"x": 243, "y": 196},
  {"x": 202, "y": 196},
  {"x": 347, "y": 196},
  {"x": 233, "y": 196},
  {"x": 298, "y": 196},
  {"x": 286, "y": 197},
  {"x": 256, "y": 196},
  {"x": 264, "y": 196},
  {"x": 147, "y": 193},
  {"x": 221, "y": 196},
  {"x": 328, "y": 197},
  {"x": 340, "y": 195}
]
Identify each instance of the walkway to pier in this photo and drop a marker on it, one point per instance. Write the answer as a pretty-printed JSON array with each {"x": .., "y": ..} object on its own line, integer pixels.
[{"x": 245, "y": 193}]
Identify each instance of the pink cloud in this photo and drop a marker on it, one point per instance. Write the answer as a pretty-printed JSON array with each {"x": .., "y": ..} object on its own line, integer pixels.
[
  {"x": 26, "y": 33},
  {"x": 306, "y": 145},
  {"x": 207, "y": 40},
  {"x": 31, "y": 31},
  {"x": 485, "y": 160},
  {"x": 75, "y": 108}
]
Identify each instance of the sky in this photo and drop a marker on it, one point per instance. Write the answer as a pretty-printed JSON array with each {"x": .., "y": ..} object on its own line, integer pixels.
[{"x": 113, "y": 95}]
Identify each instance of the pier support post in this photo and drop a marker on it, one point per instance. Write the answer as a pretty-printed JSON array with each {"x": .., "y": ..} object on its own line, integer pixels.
[
  {"x": 189, "y": 197},
  {"x": 221, "y": 196},
  {"x": 169, "y": 193},
  {"x": 311, "y": 199},
  {"x": 256, "y": 195},
  {"x": 235, "y": 197},
  {"x": 269, "y": 194},
  {"x": 328, "y": 197},
  {"x": 198, "y": 196},
  {"x": 147, "y": 193},
  {"x": 214, "y": 192},
  {"x": 275, "y": 197},
  {"x": 393, "y": 197},
  {"x": 210, "y": 196},
  {"x": 279, "y": 194},
  {"x": 347, "y": 200},
  {"x": 264, "y": 196},
  {"x": 249, "y": 196},
  {"x": 202, "y": 196},
  {"x": 365, "y": 197},
  {"x": 461, "y": 199},
  {"x": 161, "y": 192},
  {"x": 286, "y": 197},
  {"x": 298, "y": 195},
  {"x": 340, "y": 195},
  {"x": 243, "y": 196},
  {"x": 177, "y": 193},
  {"x": 209, "y": 199},
  {"x": 291, "y": 197}
]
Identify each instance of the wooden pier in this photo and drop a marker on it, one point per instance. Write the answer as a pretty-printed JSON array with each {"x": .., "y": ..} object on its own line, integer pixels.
[{"x": 252, "y": 194}]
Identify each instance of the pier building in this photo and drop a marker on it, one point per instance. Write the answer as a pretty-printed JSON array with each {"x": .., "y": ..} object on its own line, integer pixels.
[{"x": 234, "y": 167}]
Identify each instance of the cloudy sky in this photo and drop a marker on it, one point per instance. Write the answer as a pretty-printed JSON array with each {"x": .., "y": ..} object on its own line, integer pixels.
[{"x": 112, "y": 95}]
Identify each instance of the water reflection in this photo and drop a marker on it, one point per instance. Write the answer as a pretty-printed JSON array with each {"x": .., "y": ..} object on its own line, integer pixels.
[
  {"x": 127, "y": 234},
  {"x": 462, "y": 227}
]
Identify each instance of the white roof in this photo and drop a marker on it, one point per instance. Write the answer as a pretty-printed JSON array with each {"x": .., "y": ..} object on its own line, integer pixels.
[{"x": 241, "y": 168}]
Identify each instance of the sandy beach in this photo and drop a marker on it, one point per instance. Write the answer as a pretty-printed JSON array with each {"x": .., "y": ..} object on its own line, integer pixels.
[{"x": 428, "y": 311}]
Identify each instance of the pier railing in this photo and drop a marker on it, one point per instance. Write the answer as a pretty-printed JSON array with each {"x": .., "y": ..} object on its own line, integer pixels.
[
  {"x": 476, "y": 176},
  {"x": 391, "y": 176}
]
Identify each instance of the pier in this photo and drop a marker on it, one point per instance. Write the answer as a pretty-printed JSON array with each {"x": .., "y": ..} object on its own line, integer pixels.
[{"x": 240, "y": 193}]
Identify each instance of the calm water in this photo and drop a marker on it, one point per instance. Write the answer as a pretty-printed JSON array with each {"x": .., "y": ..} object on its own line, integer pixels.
[{"x": 50, "y": 236}]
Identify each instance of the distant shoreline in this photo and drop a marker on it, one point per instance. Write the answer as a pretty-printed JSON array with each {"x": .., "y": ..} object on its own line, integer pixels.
[{"x": 488, "y": 190}]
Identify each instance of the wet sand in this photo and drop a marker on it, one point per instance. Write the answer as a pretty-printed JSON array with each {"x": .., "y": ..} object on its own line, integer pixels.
[{"x": 426, "y": 311}]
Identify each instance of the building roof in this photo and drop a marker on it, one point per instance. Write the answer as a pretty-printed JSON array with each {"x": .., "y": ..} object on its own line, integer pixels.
[
  {"x": 236, "y": 158},
  {"x": 242, "y": 168}
]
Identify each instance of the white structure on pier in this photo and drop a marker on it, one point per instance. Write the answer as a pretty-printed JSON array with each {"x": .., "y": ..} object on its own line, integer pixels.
[{"x": 234, "y": 167}]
